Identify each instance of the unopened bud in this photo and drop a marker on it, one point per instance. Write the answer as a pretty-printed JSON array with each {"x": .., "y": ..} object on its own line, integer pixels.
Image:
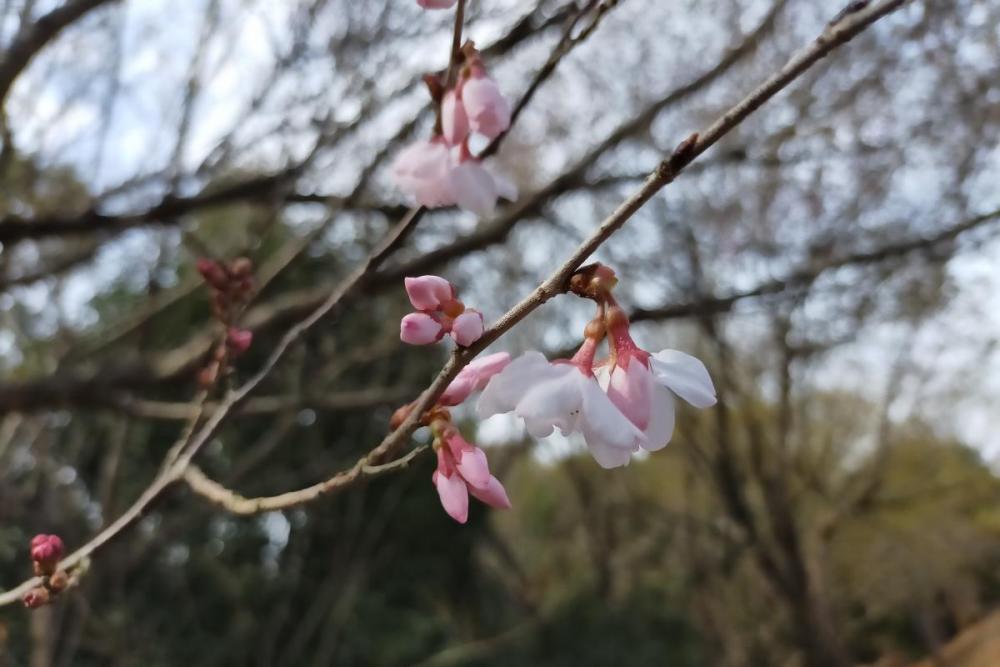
[
  {"x": 213, "y": 274},
  {"x": 239, "y": 340},
  {"x": 400, "y": 415},
  {"x": 35, "y": 598},
  {"x": 46, "y": 550}
]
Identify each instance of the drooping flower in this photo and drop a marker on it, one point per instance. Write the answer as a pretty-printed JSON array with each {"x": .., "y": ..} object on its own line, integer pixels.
[
  {"x": 473, "y": 377},
  {"x": 423, "y": 171},
  {"x": 436, "y": 175},
  {"x": 436, "y": 4},
  {"x": 486, "y": 109},
  {"x": 563, "y": 394},
  {"x": 463, "y": 470},
  {"x": 643, "y": 385}
]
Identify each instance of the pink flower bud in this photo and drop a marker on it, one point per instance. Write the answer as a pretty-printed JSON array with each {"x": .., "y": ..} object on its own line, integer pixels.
[
  {"x": 473, "y": 377},
  {"x": 467, "y": 328},
  {"x": 428, "y": 292},
  {"x": 451, "y": 488},
  {"x": 213, "y": 274},
  {"x": 487, "y": 109},
  {"x": 470, "y": 461},
  {"x": 239, "y": 340},
  {"x": 46, "y": 550},
  {"x": 35, "y": 598},
  {"x": 420, "y": 329},
  {"x": 454, "y": 121},
  {"x": 493, "y": 494},
  {"x": 436, "y": 4}
]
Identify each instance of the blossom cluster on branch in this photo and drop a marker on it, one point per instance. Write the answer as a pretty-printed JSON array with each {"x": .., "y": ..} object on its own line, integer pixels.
[
  {"x": 621, "y": 404},
  {"x": 443, "y": 170}
]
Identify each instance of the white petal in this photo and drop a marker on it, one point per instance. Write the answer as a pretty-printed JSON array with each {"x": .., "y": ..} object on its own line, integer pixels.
[
  {"x": 661, "y": 419},
  {"x": 603, "y": 375},
  {"x": 602, "y": 422},
  {"x": 685, "y": 376},
  {"x": 553, "y": 402},
  {"x": 608, "y": 456},
  {"x": 504, "y": 184},
  {"x": 473, "y": 188},
  {"x": 508, "y": 386}
]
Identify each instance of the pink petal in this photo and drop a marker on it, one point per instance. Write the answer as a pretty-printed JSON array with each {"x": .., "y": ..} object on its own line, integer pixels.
[
  {"x": 487, "y": 109},
  {"x": 467, "y": 328},
  {"x": 428, "y": 292},
  {"x": 454, "y": 121},
  {"x": 459, "y": 389},
  {"x": 493, "y": 494},
  {"x": 454, "y": 495},
  {"x": 488, "y": 366},
  {"x": 436, "y": 4},
  {"x": 473, "y": 466},
  {"x": 473, "y": 377},
  {"x": 423, "y": 171},
  {"x": 630, "y": 389},
  {"x": 419, "y": 329}
]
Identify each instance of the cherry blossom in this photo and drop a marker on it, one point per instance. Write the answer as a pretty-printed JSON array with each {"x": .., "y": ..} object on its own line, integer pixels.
[
  {"x": 563, "y": 394},
  {"x": 443, "y": 171},
  {"x": 486, "y": 109},
  {"x": 462, "y": 471},
  {"x": 643, "y": 385},
  {"x": 423, "y": 171}
]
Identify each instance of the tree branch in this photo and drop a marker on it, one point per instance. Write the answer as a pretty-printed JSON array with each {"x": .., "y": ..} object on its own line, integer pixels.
[
  {"x": 834, "y": 35},
  {"x": 33, "y": 38}
]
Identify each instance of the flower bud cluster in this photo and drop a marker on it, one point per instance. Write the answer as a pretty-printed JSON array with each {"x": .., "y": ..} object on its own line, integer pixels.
[
  {"x": 232, "y": 286},
  {"x": 438, "y": 312},
  {"x": 46, "y": 552}
]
